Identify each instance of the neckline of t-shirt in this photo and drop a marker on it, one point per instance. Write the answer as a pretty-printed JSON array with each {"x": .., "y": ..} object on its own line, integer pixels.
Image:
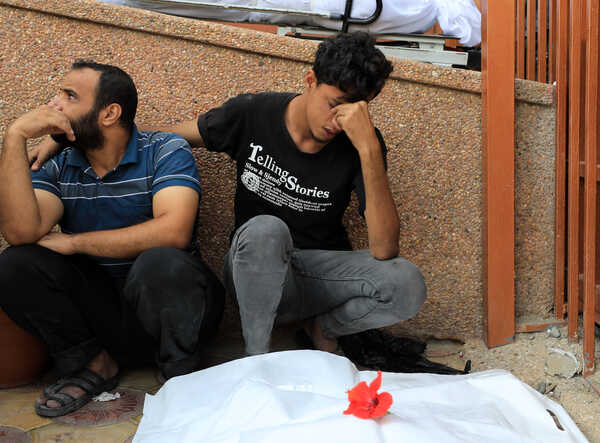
[{"x": 289, "y": 138}]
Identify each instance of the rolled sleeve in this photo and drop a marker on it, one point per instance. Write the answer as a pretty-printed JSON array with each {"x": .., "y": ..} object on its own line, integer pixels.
[
  {"x": 175, "y": 166},
  {"x": 46, "y": 177}
]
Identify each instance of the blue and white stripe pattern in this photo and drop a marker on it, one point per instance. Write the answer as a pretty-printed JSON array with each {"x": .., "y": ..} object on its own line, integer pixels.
[{"x": 123, "y": 197}]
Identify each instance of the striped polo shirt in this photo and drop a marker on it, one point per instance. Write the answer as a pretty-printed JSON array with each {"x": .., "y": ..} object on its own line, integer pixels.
[{"x": 123, "y": 197}]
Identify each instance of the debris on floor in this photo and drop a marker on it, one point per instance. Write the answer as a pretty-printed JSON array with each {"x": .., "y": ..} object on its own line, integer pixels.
[
  {"x": 562, "y": 363},
  {"x": 107, "y": 396}
]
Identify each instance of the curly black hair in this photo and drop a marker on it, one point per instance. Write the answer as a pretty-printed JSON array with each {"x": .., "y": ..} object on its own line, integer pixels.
[{"x": 352, "y": 63}]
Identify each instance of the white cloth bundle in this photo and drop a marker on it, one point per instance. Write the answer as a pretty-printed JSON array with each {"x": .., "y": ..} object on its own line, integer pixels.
[
  {"x": 459, "y": 18},
  {"x": 299, "y": 397}
]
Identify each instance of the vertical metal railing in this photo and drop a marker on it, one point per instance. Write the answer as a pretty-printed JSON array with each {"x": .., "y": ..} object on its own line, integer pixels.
[
  {"x": 557, "y": 42},
  {"x": 542, "y": 40},
  {"x": 574, "y": 147},
  {"x": 498, "y": 171},
  {"x": 590, "y": 214},
  {"x": 561, "y": 72}
]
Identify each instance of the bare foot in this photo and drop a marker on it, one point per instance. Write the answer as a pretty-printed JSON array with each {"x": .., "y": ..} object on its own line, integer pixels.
[
  {"x": 102, "y": 364},
  {"x": 321, "y": 342}
]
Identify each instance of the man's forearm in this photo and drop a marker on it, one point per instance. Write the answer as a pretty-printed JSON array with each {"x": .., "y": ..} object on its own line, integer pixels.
[
  {"x": 188, "y": 130},
  {"x": 129, "y": 242},
  {"x": 381, "y": 214},
  {"x": 20, "y": 219}
]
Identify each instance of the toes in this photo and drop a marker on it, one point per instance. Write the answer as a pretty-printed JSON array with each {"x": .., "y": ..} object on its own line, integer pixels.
[{"x": 52, "y": 404}]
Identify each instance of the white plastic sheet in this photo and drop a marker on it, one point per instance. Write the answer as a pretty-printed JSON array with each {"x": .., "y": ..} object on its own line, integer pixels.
[
  {"x": 299, "y": 397},
  {"x": 459, "y": 18}
]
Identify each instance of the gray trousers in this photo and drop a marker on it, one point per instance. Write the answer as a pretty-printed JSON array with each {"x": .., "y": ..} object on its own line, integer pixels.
[{"x": 346, "y": 291}]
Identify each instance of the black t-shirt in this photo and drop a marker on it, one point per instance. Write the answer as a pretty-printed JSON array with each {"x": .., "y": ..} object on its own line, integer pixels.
[{"x": 309, "y": 192}]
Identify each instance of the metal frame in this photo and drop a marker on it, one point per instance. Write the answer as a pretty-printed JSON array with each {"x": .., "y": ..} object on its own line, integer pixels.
[
  {"x": 345, "y": 18},
  {"x": 430, "y": 47}
]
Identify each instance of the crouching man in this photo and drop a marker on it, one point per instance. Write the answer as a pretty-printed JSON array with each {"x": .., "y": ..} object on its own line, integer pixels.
[
  {"x": 121, "y": 282},
  {"x": 299, "y": 157}
]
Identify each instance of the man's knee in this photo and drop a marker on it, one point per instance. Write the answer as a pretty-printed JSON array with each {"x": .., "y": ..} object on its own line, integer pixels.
[
  {"x": 402, "y": 286},
  {"x": 16, "y": 263},
  {"x": 152, "y": 272},
  {"x": 173, "y": 290},
  {"x": 163, "y": 275},
  {"x": 17, "y": 257},
  {"x": 153, "y": 266},
  {"x": 264, "y": 231}
]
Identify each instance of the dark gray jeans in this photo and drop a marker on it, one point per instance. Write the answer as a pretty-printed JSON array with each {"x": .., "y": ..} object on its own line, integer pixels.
[{"x": 347, "y": 291}]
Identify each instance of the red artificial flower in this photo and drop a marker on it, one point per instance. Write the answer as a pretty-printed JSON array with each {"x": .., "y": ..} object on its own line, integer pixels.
[{"x": 365, "y": 402}]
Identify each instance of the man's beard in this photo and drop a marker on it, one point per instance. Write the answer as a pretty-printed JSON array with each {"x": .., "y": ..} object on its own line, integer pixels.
[{"x": 87, "y": 133}]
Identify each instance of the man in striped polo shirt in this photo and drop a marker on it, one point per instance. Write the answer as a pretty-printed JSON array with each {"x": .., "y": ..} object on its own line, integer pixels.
[{"x": 122, "y": 281}]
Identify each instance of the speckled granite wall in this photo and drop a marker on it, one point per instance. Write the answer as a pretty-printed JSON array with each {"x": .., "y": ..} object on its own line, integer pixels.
[{"x": 430, "y": 117}]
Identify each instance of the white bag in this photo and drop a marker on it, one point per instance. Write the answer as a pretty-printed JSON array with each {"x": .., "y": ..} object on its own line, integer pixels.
[{"x": 300, "y": 396}]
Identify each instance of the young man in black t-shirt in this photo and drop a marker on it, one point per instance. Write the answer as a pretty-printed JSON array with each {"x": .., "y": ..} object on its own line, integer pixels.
[{"x": 299, "y": 157}]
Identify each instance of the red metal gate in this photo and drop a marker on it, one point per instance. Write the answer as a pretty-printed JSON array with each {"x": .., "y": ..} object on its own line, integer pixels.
[{"x": 556, "y": 41}]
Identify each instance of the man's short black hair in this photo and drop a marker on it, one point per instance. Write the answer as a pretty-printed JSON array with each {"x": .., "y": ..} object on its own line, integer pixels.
[
  {"x": 114, "y": 86},
  {"x": 352, "y": 63}
]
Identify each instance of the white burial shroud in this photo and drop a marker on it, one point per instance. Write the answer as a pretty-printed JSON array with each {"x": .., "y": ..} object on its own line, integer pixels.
[
  {"x": 299, "y": 397},
  {"x": 458, "y": 18}
]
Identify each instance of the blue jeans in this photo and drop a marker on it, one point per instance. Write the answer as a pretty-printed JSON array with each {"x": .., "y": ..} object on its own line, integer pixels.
[{"x": 346, "y": 291}]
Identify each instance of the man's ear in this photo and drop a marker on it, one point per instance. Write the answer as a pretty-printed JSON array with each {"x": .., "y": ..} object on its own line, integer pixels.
[
  {"x": 310, "y": 79},
  {"x": 110, "y": 115}
]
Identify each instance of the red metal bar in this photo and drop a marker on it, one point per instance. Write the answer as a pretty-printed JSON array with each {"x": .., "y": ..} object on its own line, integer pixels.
[
  {"x": 539, "y": 327},
  {"x": 542, "y": 40},
  {"x": 582, "y": 170},
  {"x": 520, "y": 38},
  {"x": 590, "y": 222},
  {"x": 552, "y": 43},
  {"x": 498, "y": 128},
  {"x": 531, "y": 31},
  {"x": 272, "y": 29},
  {"x": 562, "y": 59},
  {"x": 575, "y": 88}
]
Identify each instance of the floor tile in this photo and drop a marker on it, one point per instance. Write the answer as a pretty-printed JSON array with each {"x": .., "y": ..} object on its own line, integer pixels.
[
  {"x": 13, "y": 435},
  {"x": 97, "y": 413},
  {"x": 116, "y": 433},
  {"x": 136, "y": 420},
  {"x": 141, "y": 379},
  {"x": 16, "y": 410}
]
